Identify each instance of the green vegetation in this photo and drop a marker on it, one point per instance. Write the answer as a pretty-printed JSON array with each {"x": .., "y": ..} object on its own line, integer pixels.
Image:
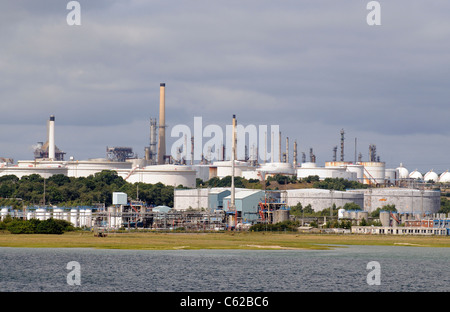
[
  {"x": 308, "y": 211},
  {"x": 445, "y": 204},
  {"x": 69, "y": 191},
  {"x": 226, "y": 182},
  {"x": 344, "y": 224},
  {"x": 35, "y": 226},
  {"x": 338, "y": 184},
  {"x": 284, "y": 226},
  {"x": 376, "y": 213}
]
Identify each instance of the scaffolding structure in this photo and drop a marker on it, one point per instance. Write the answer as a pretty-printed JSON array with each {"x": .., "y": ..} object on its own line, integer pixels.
[
  {"x": 141, "y": 217},
  {"x": 272, "y": 204}
]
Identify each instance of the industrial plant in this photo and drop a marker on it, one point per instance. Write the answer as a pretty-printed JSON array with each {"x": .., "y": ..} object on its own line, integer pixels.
[{"x": 413, "y": 194}]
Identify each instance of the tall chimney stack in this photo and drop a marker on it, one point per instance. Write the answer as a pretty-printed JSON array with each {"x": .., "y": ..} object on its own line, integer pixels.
[
  {"x": 233, "y": 157},
  {"x": 51, "y": 138},
  {"x": 162, "y": 124},
  {"x": 295, "y": 154}
]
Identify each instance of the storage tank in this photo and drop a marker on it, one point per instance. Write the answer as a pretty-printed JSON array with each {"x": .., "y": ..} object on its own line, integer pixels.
[
  {"x": 391, "y": 175},
  {"x": 82, "y": 217},
  {"x": 280, "y": 215},
  {"x": 374, "y": 172},
  {"x": 416, "y": 175},
  {"x": 172, "y": 175},
  {"x": 359, "y": 170},
  {"x": 341, "y": 213},
  {"x": 41, "y": 214},
  {"x": 4, "y": 213},
  {"x": 445, "y": 177},
  {"x": 88, "y": 217},
  {"x": 277, "y": 168},
  {"x": 58, "y": 214},
  {"x": 431, "y": 176},
  {"x": 308, "y": 165},
  {"x": 363, "y": 215},
  {"x": 403, "y": 173},
  {"x": 74, "y": 217},
  {"x": 385, "y": 218}
]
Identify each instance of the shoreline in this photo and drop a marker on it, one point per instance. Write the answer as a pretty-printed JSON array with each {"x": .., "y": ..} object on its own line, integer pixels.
[{"x": 221, "y": 240}]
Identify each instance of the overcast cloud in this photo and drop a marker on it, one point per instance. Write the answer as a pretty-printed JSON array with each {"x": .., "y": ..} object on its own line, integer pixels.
[{"x": 312, "y": 67}]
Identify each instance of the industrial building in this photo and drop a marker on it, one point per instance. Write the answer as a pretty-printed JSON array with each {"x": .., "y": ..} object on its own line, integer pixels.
[
  {"x": 395, "y": 223},
  {"x": 246, "y": 206}
]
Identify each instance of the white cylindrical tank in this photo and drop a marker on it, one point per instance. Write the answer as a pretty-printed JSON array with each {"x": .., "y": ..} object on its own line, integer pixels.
[
  {"x": 41, "y": 214},
  {"x": 308, "y": 165},
  {"x": 341, "y": 213},
  {"x": 4, "y": 213},
  {"x": 391, "y": 175},
  {"x": 384, "y": 218},
  {"x": 359, "y": 170},
  {"x": 74, "y": 217},
  {"x": 363, "y": 215},
  {"x": 277, "y": 167},
  {"x": 431, "y": 176},
  {"x": 58, "y": 214},
  {"x": 374, "y": 172},
  {"x": 88, "y": 217},
  {"x": 82, "y": 217}
]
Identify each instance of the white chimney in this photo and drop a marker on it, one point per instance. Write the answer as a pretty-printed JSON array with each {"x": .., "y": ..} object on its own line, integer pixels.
[{"x": 51, "y": 138}]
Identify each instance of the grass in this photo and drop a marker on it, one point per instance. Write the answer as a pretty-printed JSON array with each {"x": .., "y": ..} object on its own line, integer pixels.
[{"x": 228, "y": 240}]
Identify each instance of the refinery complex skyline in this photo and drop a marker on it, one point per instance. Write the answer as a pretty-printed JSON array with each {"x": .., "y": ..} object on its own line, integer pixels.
[{"x": 311, "y": 69}]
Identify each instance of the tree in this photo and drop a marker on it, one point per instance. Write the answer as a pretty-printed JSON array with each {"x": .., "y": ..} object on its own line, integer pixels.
[
  {"x": 351, "y": 206},
  {"x": 445, "y": 205},
  {"x": 376, "y": 212}
]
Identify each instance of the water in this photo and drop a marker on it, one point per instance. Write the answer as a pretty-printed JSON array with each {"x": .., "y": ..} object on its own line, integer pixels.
[{"x": 403, "y": 269}]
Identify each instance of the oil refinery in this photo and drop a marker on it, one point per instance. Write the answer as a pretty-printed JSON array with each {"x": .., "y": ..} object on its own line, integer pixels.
[{"x": 231, "y": 206}]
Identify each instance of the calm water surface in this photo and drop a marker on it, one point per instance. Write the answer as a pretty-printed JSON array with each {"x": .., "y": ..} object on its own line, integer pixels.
[{"x": 403, "y": 269}]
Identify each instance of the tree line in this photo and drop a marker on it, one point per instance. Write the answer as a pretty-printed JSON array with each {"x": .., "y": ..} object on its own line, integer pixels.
[
  {"x": 61, "y": 190},
  {"x": 35, "y": 226}
]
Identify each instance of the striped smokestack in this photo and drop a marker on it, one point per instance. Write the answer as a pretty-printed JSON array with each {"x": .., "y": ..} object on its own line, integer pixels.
[
  {"x": 51, "y": 138},
  {"x": 162, "y": 124}
]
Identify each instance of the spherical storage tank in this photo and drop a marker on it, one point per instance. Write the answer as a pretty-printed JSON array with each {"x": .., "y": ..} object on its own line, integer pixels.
[
  {"x": 416, "y": 175},
  {"x": 403, "y": 173},
  {"x": 445, "y": 177},
  {"x": 431, "y": 176}
]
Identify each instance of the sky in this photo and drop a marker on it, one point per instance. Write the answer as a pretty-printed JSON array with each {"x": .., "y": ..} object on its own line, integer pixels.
[{"x": 311, "y": 67}]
